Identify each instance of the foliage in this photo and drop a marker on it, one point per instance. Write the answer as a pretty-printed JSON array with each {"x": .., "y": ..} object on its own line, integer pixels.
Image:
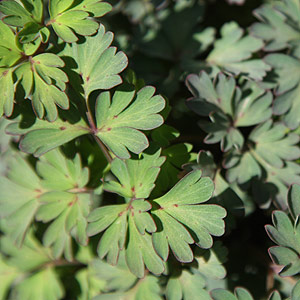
[{"x": 99, "y": 199}]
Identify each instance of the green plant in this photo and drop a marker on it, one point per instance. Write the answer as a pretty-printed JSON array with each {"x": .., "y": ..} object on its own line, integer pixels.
[{"x": 99, "y": 199}]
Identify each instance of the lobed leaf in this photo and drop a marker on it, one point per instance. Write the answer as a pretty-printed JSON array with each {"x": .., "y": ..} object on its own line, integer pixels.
[
  {"x": 19, "y": 191},
  {"x": 56, "y": 194},
  {"x": 42, "y": 136},
  {"x": 186, "y": 286},
  {"x": 210, "y": 262},
  {"x": 120, "y": 118},
  {"x": 97, "y": 64},
  {"x": 7, "y": 276},
  {"x": 232, "y": 52},
  {"x": 42, "y": 284},
  {"x": 147, "y": 289},
  {"x": 179, "y": 213},
  {"x": 32, "y": 277},
  {"x": 9, "y": 51},
  {"x": 239, "y": 294},
  {"x": 286, "y": 234},
  {"x": 273, "y": 145},
  {"x": 70, "y": 17},
  {"x": 228, "y": 107},
  {"x": 8, "y": 92},
  {"x": 294, "y": 200},
  {"x": 19, "y": 13},
  {"x": 136, "y": 176},
  {"x": 125, "y": 225},
  {"x": 279, "y": 25},
  {"x": 116, "y": 278},
  {"x": 287, "y": 101},
  {"x": 44, "y": 83}
]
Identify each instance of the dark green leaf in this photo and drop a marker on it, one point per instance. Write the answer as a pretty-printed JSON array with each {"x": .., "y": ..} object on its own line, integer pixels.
[
  {"x": 233, "y": 52},
  {"x": 287, "y": 101},
  {"x": 279, "y": 24}
]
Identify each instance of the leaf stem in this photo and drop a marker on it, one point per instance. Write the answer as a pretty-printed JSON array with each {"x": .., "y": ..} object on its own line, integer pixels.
[
  {"x": 94, "y": 131},
  {"x": 103, "y": 148}
]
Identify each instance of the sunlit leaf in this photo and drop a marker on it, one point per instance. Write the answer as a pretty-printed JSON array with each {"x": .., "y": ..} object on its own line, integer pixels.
[
  {"x": 179, "y": 211},
  {"x": 70, "y": 17},
  {"x": 97, "y": 64},
  {"x": 120, "y": 118},
  {"x": 136, "y": 176},
  {"x": 44, "y": 83},
  {"x": 43, "y": 136}
]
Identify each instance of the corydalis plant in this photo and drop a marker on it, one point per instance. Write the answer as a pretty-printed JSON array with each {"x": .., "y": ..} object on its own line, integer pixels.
[
  {"x": 104, "y": 201},
  {"x": 54, "y": 67}
]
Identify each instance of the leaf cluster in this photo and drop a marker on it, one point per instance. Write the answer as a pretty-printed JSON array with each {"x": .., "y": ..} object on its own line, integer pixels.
[{"x": 99, "y": 199}]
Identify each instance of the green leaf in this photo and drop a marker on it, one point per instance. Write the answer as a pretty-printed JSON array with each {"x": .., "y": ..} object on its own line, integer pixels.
[
  {"x": 9, "y": 51},
  {"x": 294, "y": 200},
  {"x": 33, "y": 278},
  {"x": 239, "y": 294},
  {"x": 98, "y": 64},
  {"x": 36, "y": 255},
  {"x": 90, "y": 285},
  {"x": 273, "y": 144},
  {"x": 296, "y": 292},
  {"x": 282, "y": 178},
  {"x": 287, "y": 101},
  {"x": 41, "y": 285},
  {"x": 271, "y": 151},
  {"x": 287, "y": 236},
  {"x": 8, "y": 91},
  {"x": 116, "y": 278},
  {"x": 232, "y": 52},
  {"x": 279, "y": 25},
  {"x": 44, "y": 83},
  {"x": 164, "y": 134},
  {"x": 66, "y": 202},
  {"x": 125, "y": 225},
  {"x": 220, "y": 130},
  {"x": 275, "y": 296},
  {"x": 19, "y": 13},
  {"x": 136, "y": 176},
  {"x": 57, "y": 194},
  {"x": 176, "y": 155},
  {"x": 70, "y": 17},
  {"x": 210, "y": 262},
  {"x": 29, "y": 16},
  {"x": 178, "y": 210},
  {"x": 228, "y": 107},
  {"x": 19, "y": 192},
  {"x": 120, "y": 118},
  {"x": 171, "y": 40},
  {"x": 43, "y": 136},
  {"x": 148, "y": 288},
  {"x": 186, "y": 286},
  {"x": 7, "y": 276}
]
